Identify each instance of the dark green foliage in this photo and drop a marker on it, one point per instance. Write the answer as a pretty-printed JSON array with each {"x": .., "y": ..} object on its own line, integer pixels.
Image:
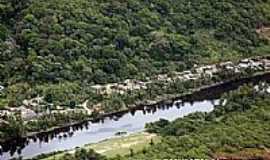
[
  {"x": 155, "y": 127},
  {"x": 52, "y": 42},
  {"x": 82, "y": 154},
  {"x": 14, "y": 129},
  {"x": 49, "y": 121},
  {"x": 43, "y": 156},
  {"x": 58, "y": 49}
]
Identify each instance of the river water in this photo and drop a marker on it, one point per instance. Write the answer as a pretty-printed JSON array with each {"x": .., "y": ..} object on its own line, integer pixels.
[
  {"x": 93, "y": 132},
  {"x": 130, "y": 122}
]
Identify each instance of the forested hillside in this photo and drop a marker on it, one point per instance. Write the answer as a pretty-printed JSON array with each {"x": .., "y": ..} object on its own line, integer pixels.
[{"x": 81, "y": 42}]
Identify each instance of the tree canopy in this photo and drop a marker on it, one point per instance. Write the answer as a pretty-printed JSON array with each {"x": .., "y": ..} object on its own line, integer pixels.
[{"x": 48, "y": 41}]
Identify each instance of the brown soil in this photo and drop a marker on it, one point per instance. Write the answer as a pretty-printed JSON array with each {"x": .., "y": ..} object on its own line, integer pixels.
[
  {"x": 246, "y": 154},
  {"x": 264, "y": 32}
]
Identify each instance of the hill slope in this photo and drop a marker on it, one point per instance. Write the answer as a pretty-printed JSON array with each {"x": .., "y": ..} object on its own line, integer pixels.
[{"x": 81, "y": 42}]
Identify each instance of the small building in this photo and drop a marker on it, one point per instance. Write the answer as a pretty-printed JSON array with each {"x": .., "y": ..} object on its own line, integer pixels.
[
  {"x": 229, "y": 63},
  {"x": 191, "y": 76},
  {"x": 186, "y": 72},
  {"x": 162, "y": 77},
  {"x": 1, "y": 88},
  {"x": 204, "y": 69},
  {"x": 4, "y": 113},
  {"x": 237, "y": 70},
  {"x": 266, "y": 64},
  {"x": 243, "y": 65},
  {"x": 256, "y": 65},
  {"x": 99, "y": 89},
  {"x": 26, "y": 113},
  {"x": 33, "y": 102},
  {"x": 229, "y": 68}
]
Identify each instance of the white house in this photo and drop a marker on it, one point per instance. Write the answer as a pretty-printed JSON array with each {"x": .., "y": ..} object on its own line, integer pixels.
[
  {"x": 33, "y": 102},
  {"x": 4, "y": 113},
  {"x": 1, "y": 88}
]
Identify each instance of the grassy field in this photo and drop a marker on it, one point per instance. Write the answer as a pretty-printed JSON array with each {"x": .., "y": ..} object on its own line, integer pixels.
[{"x": 120, "y": 145}]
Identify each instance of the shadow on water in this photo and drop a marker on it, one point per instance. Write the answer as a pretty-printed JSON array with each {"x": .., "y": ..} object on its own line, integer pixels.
[{"x": 212, "y": 93}]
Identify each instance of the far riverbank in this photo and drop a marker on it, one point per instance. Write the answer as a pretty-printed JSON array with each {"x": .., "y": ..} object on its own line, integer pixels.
[{"x": 214, "y": 90}]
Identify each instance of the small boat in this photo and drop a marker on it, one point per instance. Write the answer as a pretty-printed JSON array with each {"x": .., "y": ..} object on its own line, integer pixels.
[{"x": 120, "y": 133}]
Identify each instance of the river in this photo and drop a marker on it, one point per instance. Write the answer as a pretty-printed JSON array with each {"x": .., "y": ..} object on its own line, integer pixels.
[{"x": 130, "y": 122}]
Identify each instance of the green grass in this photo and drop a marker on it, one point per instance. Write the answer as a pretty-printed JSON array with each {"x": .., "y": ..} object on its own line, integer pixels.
[{"x": 120, "y": 145}]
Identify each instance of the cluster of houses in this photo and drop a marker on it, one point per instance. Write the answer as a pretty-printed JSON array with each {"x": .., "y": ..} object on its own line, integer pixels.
[
  {"x": 27, "y": 109},
  {"x": 26, "y": 113},
  {"x": 256, "y": 64},
  {"x": 121, "y": 88}
]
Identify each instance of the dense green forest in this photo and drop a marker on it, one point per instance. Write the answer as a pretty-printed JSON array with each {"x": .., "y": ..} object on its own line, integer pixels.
[
  {"x": 238, "y": 128},
  {"x": 64, "y": 46}
]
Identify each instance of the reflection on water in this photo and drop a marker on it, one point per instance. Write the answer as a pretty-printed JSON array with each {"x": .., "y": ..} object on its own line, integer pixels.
[
  {"x": 133, "y": 121},
  {"x": 92, "y": 132}
]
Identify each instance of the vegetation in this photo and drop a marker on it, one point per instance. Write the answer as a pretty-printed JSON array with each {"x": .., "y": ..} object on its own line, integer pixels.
[
  {"x": 83, "y": 154},
  {"x": 159, "y": 90},
  {"x": 58, "y": 49},
  {"x": 80, "y": 154},
  {"x": 46, "y": 43},
  {"x": 236, "y": 128},
  {"x": 17, "y": 128},
  {"x": 108, "y": 103},
  {"x": 239, "y": 125}
]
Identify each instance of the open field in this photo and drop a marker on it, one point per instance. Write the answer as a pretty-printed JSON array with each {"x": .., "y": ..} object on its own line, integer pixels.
[{"x": 120, "y": 145}]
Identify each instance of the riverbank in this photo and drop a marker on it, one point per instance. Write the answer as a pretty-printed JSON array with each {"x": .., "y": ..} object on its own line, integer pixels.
[
  {"x": 230, "y": 131},
  {"x": 194, "y": 94},
  {"x": 60, "y": 140},
  {"x": 250, "y": 104},
  {"x": 160, "y": 90},
  {"x": 114, "y": 146}
]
